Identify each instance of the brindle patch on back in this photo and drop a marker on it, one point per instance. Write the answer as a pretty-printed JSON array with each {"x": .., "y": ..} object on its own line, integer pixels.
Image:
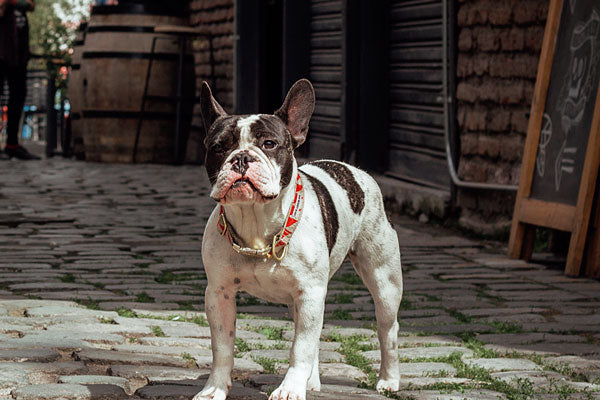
[
  {"x": 328, "y": 211},
  {"x": 344, "y": 177}
]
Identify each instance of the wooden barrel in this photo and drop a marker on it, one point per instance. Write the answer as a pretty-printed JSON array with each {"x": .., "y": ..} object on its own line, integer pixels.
[
  {"x": 76, "y": 94},
  {"x": 115, "y": 61}
]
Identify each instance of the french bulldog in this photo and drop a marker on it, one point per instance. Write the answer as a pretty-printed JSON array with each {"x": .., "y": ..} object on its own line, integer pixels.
[{"x": 280, "y": 232}]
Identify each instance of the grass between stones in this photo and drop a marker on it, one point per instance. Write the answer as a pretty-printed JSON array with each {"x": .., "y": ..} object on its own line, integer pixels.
[
  {"x": 157, "y": 331},
  {"x": 191, "y": 363},
  {"x": 144, "y": 297},
  {"x": 89, "y": 303},
  {"x": 271, "y": 332},
  {"x": 349, "y": 278},
  {"x": 68, "y": 278},
  {"x": 170, "y": 277},
  {"x": 267, "y": 363},
  {"x": 341, "y": 298}
]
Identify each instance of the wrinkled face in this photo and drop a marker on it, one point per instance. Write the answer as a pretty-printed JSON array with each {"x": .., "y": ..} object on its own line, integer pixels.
[{"x": 249, "y": 158}]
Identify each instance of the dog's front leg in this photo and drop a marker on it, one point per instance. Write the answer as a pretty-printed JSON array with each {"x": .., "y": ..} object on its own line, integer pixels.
[
  {"x": 220, "y": 310},
  {"x": 309, "y": 306}
]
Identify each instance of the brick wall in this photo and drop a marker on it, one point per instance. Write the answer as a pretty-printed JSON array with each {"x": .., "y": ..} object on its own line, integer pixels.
[
  {"x": 217, "y": 16},
  {"x": 498, "y": 50}
]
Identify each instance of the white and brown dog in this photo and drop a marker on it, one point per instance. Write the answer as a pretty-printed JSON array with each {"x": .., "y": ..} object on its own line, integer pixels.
[{"x": 280, "y": 232}]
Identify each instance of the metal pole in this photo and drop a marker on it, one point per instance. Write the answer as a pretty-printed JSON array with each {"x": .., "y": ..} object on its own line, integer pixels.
[{"x": 50, "y": 117}]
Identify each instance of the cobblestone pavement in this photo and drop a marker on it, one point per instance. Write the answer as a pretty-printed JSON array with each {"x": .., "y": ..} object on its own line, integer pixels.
[{"x": 101, "y": 297}]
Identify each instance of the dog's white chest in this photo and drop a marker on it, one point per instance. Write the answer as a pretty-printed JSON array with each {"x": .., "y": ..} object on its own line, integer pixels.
[{"x": 268, "y": 280}]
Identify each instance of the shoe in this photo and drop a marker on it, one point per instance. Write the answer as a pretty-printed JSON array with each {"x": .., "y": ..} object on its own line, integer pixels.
[{"x": 21, "y": 153}]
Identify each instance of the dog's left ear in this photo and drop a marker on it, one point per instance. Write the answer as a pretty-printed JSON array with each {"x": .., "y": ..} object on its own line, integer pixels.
[
  {"x": 209, "y": 107},
  {"x": 297, "y": 109}
]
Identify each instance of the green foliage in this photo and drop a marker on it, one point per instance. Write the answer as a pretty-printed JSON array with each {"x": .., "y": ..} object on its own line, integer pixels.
[
  {"x": 271, "y": 332},
  {"x": 68, "y": 278},
  {"x": 143, "y": 297},
  {"x": 342, "y": 315},
  {"x": 267, "y": 363},
  {"x": 52, "y": 27},
  {"x": 241, "y": 346},
  {"x": 157, "y": 331},
  {"x": 126, "y": 313}
]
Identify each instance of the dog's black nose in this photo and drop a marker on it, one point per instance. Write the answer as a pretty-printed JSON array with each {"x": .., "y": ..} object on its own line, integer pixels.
[{"x": 240, "y": 162}]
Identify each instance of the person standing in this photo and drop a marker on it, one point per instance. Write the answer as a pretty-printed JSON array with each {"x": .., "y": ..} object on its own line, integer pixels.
[{"x": 14, "y": 55}]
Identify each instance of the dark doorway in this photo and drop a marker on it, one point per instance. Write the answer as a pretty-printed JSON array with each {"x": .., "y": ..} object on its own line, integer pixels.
[{"x": 258, "y": 53}]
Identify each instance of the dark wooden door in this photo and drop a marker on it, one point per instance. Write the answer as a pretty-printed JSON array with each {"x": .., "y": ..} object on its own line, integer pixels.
[
  {"x": 416, "y": 115},
  {"x": 326, "y": 72}
]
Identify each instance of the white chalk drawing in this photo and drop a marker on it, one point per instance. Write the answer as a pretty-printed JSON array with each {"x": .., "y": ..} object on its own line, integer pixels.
[
  {"x": 584, "y": 60},
  {"x": 565, "y": 162},
  {"x": 545, "y": 136},
  {"x": 577, "y": 89}
]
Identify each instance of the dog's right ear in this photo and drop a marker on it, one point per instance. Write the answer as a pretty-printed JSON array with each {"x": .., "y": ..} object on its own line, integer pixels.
[{"x": 209, "y": 107}]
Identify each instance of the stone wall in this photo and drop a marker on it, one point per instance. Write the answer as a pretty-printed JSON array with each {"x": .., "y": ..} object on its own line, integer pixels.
[
  {"x": 217, "y": 16},
  {"x": 498, "y": 50}
]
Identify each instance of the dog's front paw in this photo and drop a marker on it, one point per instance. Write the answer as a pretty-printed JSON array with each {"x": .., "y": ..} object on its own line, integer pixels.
[
  {"x": 212, "y": 393},
  {"x": 391, "y": 385},
  {"x": 288, "y": 392}
]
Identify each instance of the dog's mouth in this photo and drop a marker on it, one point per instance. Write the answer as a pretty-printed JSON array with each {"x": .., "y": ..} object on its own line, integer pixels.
[
  {"x": 241, "y": 182},
  {"x": 244, "y": 184}
]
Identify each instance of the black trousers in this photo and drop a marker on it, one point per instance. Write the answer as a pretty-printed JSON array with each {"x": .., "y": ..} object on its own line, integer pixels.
[{"x": 17, "y": 86}]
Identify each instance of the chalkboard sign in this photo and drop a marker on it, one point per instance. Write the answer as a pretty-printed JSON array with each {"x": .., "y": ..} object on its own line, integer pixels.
[
  {"x": 569, "y": 107},
  {"x": 562, "y": 150}
]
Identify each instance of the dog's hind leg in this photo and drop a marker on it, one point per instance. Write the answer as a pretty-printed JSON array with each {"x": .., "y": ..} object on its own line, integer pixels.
[{"x": 376, "y": 258}]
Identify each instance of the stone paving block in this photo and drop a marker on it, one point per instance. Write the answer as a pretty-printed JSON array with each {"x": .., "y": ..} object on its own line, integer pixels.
[
  {"x": 44, "y": 286},
  {"x": 414, "y": 341},
  {"x": 428, "y": 352},
  {"x": 528, "y": 338},
  {"x": 485, "y": 312},
  {"x": 14, "y": 374},
  {"x": 95, "y": 380},
  {"x": 157, "y": 350},
  {"x": 155, "y": 373},
  {"x": 185, "y": 392},
  {"x": 541, "y": 380},
  {"x": 107, "y": 357},
  {"x": 343, "y": 332},
  {"x": 590, "y": 368},
  {"x": 445, "y": 329},
  {"x": 100, "y": 328},
  {"x": 503, "y": 364},
  {"x": 69, "y": 392},
  {"x": 176, "y": 342},
  {"x": 33, "y": 355},
  {"x": 57, "y": 310},
  {"x": 115, "y": 305},
  {"x": 410, "y": 369},
  {"x": 550, "y": 349},
  {"x": 516, "y": 319},
  {"x": 335, "y": 370}
]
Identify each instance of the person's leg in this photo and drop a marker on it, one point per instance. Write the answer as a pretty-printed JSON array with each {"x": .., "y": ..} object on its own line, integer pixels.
[{"x": 17, "y": 86}]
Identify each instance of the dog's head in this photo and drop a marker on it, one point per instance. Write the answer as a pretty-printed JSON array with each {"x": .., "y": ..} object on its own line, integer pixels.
[{"x": 250, "y": 158}]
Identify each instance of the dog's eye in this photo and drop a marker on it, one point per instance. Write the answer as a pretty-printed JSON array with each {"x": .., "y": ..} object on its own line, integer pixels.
[
  {"x": 269, "y": 144},
  {"x": 216, "y": 148}
]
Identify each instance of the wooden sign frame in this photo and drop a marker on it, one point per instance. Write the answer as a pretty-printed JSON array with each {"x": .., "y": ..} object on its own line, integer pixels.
[{"x": 530, "y": 212}]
